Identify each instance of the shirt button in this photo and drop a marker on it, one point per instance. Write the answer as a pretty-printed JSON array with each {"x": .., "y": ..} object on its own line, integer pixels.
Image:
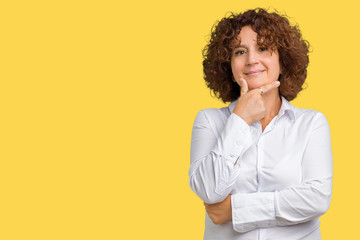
[{"x": 232, "y": 156}]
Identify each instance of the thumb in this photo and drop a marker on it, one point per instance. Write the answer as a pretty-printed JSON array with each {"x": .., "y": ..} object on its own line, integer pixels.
[{"x": 243, "y": 86}]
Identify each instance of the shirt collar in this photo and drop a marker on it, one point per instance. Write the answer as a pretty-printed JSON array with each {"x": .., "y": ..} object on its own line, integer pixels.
[{"x": 286, "y": 107}]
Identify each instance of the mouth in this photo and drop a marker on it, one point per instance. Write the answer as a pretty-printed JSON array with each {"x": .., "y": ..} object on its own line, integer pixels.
[{"x": 254, "y": 73}]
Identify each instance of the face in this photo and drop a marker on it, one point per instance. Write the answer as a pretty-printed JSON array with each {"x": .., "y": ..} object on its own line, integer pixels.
[{"x": 257, "y": 65}]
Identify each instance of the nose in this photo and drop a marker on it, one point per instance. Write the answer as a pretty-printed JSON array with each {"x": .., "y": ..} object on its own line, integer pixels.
[{"x": 253, "y": 58}]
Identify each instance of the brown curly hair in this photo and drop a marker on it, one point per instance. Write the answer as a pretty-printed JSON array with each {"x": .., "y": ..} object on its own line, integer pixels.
[{"x": 274, "y": 32}]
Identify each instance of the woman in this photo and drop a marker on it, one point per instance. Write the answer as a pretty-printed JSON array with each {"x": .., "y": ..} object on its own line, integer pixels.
[{"x": 262, "y": 166}]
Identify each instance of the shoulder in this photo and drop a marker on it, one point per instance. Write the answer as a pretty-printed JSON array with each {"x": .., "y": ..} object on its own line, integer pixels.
[
  {"x": 213, "y": 114},
  {"x": 310, "y": 117},
  {"x": 213, "y": 118}
]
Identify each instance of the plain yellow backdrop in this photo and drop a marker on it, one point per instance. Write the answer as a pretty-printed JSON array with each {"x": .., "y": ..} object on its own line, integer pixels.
[{"x": 97, "y": 103}]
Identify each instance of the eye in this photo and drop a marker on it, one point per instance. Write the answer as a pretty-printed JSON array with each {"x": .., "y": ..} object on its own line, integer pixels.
[
  {"x": 240, "y": 52},
  {"x": 262, "y": 49}
]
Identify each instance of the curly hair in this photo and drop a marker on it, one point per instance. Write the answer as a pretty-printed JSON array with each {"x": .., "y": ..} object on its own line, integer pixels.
[{"x": 274, "y": 32}]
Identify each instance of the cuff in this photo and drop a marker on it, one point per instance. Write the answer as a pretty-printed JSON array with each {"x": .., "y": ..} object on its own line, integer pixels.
[
  {"x": 252, "y": 210},
  {"x": 235, "y": 138}
]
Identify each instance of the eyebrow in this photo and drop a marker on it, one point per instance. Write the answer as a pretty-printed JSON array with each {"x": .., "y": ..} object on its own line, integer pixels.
[
  {"x": 240, "y": 46},
  {"x": 236, "y": 46}
]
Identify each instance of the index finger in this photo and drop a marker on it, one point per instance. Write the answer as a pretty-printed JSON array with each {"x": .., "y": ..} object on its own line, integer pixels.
[
  {"x": 270, "y": 86},
  {"x": 243, "y": 86}
]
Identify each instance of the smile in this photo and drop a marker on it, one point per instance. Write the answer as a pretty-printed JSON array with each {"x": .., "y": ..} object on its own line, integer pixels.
[{"x": 254, "y": 73}]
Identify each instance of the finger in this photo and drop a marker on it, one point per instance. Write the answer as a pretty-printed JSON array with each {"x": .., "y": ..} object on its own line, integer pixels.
[
  {"x": 243, "y": 86},
  {"x": 270, "y": 86}
]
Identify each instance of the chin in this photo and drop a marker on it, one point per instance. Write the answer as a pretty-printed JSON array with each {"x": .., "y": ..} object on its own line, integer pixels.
[
  {"x": 258, "y": 84},
  {"x": 253, "y": 86}
]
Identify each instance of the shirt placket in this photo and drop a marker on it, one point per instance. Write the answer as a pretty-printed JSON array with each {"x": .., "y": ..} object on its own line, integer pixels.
[{"x": 260, "y": 162}]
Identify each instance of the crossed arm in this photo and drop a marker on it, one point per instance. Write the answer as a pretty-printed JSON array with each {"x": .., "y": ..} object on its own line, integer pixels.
[{"x": 213, "y": 175}]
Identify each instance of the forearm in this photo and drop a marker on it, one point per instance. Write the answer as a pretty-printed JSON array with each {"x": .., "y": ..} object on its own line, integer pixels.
[
  {"x": 213, "y": 170},
  {"x": 213, "y": 178},
  {"x": 290, "y": 206}
]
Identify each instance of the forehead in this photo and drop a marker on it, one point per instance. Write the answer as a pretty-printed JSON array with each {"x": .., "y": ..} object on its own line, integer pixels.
[
  {"x": 247, "y": 33},
  {"x": 246, "y": 36}
]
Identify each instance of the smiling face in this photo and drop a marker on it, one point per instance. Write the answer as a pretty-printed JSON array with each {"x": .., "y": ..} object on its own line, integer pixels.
[{"x": 256, "y": 64}]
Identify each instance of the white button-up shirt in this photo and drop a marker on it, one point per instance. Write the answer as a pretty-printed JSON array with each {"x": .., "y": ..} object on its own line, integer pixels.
[{"x": 281, "y": 182}]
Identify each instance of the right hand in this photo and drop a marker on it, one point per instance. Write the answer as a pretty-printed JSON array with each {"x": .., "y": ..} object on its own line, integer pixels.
[{"x": 251, "y": 105}]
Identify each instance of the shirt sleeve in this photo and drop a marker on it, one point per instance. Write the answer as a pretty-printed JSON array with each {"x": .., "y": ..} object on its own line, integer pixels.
[
  {"x": 213, "y": 171},
  {"x": 297, "y": 204}
]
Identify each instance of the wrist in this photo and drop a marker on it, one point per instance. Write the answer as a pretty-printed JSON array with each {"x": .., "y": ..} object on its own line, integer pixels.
[{"x": 246, "y": 118}]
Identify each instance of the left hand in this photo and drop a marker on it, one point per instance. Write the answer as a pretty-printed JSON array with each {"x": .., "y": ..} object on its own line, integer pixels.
[{"x": 220, "y": 212}]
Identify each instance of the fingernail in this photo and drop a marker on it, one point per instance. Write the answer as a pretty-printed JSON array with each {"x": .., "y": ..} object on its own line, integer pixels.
[{"x": 277, "y": 82}]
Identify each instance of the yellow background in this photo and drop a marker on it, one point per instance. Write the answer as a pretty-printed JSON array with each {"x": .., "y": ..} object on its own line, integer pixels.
[{"x": 97, "y": 104}]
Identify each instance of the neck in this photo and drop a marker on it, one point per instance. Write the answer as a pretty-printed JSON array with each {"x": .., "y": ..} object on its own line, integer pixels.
[{"x": 272, "y": 103}]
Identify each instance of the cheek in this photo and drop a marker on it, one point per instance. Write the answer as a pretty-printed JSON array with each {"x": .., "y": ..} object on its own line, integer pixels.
[
  {"x": 276, "y": 68},
  {"x": 276, "y": 62},
  {"x": 234, "y": 70},
  {"x": 274, "y": 65},
  {"x": 236, "y": 67}
]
